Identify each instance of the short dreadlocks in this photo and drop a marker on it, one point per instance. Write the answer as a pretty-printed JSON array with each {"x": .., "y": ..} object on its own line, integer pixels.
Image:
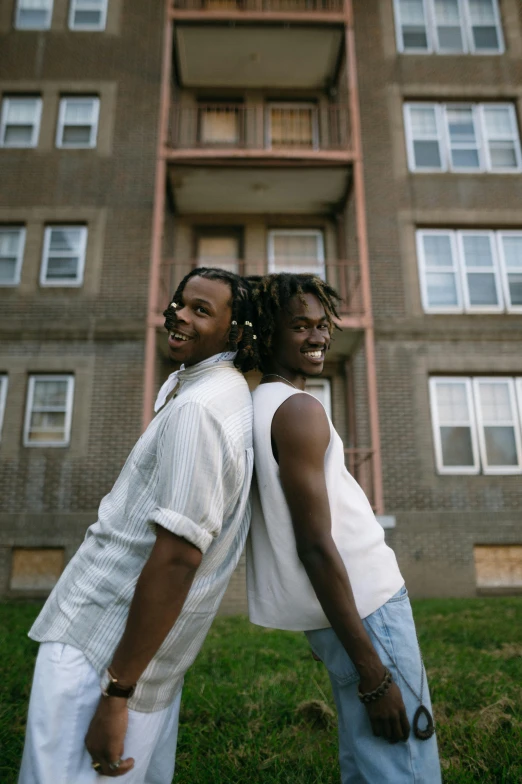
[
  {"x": 272, "y": 293},
  {"x": 242, "y": 313}
]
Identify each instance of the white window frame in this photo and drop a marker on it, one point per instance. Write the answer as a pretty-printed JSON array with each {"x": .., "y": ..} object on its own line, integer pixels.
[
  {"x": 504, "y": 272},
  {"x": 63, "y": 282},
  {"x": 454, "y": 269},
  {"x": 47, "y": 24},
  {"x": 4, "y": 383},
  {"x": 61, "y": 122},
  {"x": 20, "y": 257},
  {"x": 443, "y": 138},
  {"x": 518, "y": 391},
  {"x": 327, "y": 387},
  {"x": 439, "y": 138},
  {"x": 481, "y": 424},
  {"x": 68, "y": 410},
  {"x": 310, "y": 105},
  {"x": 515, "y": 138},
  {"x": 436, "y": 425},
  {"x": 103, "y": 19},
  {"x": 495, "y": 271},
  {"x": 36, "y": 125},
  {"x": 432, "y": 37},
  {"x": 459, "y": 269},
  {"x": 448, "y": 145},
  {"x": 320, "y": 269}
]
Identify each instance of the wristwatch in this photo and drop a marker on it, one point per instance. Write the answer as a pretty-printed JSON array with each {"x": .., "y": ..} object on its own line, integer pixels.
[{"x": 111, "y": 688}]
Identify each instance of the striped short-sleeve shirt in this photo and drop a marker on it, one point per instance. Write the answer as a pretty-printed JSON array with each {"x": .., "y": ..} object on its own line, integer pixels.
[{"x": 189, "y": 472}]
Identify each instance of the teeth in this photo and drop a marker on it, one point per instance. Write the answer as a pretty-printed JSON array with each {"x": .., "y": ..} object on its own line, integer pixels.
[
  {"x": 314, "y": 354},
  {"x": 178, "y": 336}
]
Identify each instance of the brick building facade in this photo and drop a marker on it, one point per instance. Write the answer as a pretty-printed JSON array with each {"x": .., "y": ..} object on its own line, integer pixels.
[{"x": 377, "y": 143}]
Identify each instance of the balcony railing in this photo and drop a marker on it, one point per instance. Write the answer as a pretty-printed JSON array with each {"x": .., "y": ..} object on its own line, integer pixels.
[
  {"x": 278, "y": 128},
  {"x": 359, "y": 463},
  {"x": 344, "y": 276},
  {"x": 266, "y": 6}
]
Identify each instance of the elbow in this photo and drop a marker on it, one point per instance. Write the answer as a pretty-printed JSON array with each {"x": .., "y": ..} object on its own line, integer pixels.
[{"x": 316, "y": 552}]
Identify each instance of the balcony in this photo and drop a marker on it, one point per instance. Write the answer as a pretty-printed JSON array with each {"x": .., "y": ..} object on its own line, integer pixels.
[
  {"x": 316, "y": 10},
  {"x": 280, "y": 158},
  {"x": 250, "y": 55},
  {"x": 277, "y": 131}
]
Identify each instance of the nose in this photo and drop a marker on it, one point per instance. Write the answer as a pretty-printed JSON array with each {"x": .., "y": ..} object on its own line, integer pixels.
[
  {"x": 318, "y": 338},
  {"x": 182, "y": 314}
]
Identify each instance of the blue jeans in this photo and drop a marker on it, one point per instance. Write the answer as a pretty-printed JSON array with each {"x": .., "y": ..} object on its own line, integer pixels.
[{"x": 362, "y": 756}]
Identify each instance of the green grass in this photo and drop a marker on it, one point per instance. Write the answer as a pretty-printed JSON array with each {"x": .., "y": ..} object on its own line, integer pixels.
[{"x": 241, "y": 721}]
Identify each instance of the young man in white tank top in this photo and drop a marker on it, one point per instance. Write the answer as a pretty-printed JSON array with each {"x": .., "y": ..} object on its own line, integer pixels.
[{"x": 316, "y": 556}]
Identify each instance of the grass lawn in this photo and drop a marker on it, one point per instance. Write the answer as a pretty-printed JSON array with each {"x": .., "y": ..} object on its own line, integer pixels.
[{"x": 241, "y": 717}]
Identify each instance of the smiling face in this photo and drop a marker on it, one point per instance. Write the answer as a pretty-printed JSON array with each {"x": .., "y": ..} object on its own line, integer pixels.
[
  {"x": 202, "y": 323},
  {"x": 301, "y": 339}
]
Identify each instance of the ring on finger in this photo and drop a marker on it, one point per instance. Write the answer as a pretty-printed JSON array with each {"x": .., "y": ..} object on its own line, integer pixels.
[
  {"x": 95, "y": 765},
  {"x": 115, "y": 765}
]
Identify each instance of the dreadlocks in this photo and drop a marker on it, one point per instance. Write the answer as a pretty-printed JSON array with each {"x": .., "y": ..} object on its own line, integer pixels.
[
  {"x": 272, "y": 293},
  {"x": 242, "y": 314}
]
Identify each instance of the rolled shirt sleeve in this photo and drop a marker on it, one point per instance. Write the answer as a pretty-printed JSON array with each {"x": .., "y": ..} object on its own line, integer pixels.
[{"x": 193, "y": 462}]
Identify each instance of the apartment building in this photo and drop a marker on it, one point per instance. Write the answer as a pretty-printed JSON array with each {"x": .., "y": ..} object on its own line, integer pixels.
[{"x": 375, "y": 143}]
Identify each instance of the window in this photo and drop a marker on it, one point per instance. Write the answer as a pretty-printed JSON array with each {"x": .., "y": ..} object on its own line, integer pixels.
[
  {"x": 498, "y": 568},
  {"x": 3, "y": 398},
  {"x": 49, "y": 411},
  {"x": 36, "y": 569},
  {"x": 219, "y": 249},
  {"x": 292, "y": 125},
  {"x": 448, "y": 26},
  {"x": 88, "y": 14},
  {"x": 476, "y": 425},
  {"x": 33, "y": 14},
  {"x": 296, "y": 250},
  {"x": 462, "y": 137},
  {"x": 470, "y": 271},
  {"x": 320, "y": 388},
  {"x": 78, "y": 122},
  {"x": 20, "y": 121},
  {"x": 219, "y": 124},
  {"x": 12, "y": 241},
  {"x": 63, "y": 256}
]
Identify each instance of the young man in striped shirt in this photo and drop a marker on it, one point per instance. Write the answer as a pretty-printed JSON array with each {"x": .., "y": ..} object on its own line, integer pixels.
[{"x": 133, "y": 607}]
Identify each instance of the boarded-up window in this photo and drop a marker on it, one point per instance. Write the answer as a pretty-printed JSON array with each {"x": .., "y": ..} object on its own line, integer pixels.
[
  {"x": 36, "y": 569},
  {"x": 498, "y": 566}
]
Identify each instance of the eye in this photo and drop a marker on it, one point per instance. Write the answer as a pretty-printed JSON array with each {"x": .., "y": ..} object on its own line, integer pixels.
[
  {"x": 301, "y": 328},
  {"x": 201, "y": 309},
  {"x": 323, "y": 326}
]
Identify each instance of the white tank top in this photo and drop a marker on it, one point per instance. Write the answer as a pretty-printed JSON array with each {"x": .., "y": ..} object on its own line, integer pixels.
[{"x": 280, "y": 595}]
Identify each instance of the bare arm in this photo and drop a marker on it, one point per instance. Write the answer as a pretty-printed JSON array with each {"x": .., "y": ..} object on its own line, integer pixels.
[
  {"x": 160, "y": 593},
  {"x": 301, "y": 434}
]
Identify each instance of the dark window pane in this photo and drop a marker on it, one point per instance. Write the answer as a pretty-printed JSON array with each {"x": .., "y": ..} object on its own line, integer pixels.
[
  {"x": 486, "y": 38},
  {"x": 482, "y": 289},
  {"x": 427, "y": 155},
  {"x": 501, "y": 446},
  {"x": 450, "y": 38},
  {"x": 456, "y": 446},
  {"x": 7, "y": 270},
  {"x": 87, "y": 18},
  {"x": 414, "y": 38},
  {"x": 66, "y": 268},
  {"x": 442, "y": 289},
  {"x": 465, "y": 159},
  {"x": 515, "y": 289},
  {"x": 77, "y": 134}
]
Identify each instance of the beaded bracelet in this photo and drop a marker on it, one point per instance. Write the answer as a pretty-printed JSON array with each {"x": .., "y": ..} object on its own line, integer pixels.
[{"x": 380, "y": 691}]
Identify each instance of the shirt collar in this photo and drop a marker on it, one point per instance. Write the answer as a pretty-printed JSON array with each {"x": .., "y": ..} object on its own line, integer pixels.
[{"x": 191, "y": 373}]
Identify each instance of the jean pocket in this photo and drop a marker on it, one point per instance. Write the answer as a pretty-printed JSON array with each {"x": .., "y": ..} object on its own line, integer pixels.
[
  {"x": 400, "y": 596},
  {"x": 326, "y": 645}
]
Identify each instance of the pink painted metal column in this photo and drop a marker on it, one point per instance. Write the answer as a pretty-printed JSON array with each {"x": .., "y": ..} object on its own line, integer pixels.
[
  {"x": 157, "y": 222},
  {"x": 364, "y": 259}
]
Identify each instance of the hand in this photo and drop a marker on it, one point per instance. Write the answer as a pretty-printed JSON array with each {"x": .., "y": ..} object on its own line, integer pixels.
[
  {"x": 388, "y": 716},
  {"x": 106, "y": 736}
]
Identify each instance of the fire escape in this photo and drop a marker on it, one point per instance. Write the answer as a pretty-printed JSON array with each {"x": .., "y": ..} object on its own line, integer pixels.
[{"x": 259, "y": 118}]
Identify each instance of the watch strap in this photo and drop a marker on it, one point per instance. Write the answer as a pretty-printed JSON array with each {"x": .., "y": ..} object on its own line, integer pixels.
[{"x": 111, "y": 688}]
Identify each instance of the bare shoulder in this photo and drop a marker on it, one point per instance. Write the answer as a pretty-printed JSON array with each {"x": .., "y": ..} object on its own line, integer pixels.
[{"x": 300, "y": 422}]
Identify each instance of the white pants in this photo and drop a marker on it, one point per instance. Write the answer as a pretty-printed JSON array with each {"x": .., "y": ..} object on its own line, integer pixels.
[{"x": 64, "y": 697}]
